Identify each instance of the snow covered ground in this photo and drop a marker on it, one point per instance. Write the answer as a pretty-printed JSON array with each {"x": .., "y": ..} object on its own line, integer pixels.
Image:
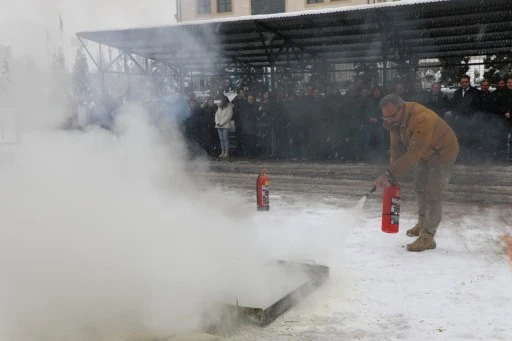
[{"x": 379, "y": 291}]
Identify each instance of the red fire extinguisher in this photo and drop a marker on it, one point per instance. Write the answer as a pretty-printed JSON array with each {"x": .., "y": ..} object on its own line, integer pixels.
[
  {"x": 263, "y": 191},
  {"x": 391, "y": 209}
]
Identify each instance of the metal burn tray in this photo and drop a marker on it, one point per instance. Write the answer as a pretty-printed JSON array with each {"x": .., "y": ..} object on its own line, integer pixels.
[{"x": 313, "y": 276}]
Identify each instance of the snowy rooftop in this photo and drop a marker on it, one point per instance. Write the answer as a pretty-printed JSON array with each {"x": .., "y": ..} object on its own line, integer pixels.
[{"x": 367, "y": 33}]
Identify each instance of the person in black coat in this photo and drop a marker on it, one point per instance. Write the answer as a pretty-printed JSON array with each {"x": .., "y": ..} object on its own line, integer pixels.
[
  {"x": 192, "y": 123},
  {"x": 316, "y": 122},
  {"x": 371, "y": 130},
  {"x": 417, "y": 94},
  {"x": 238, "y": 102},
  {"x": 466, "y": 104},
  {"x": 490, "y": 125},
  {"x": 267, "y": 116},
  {"x": 209, "y": 139},
  {"x": 437, "y": 101},
  {"x": 466, "y": 99},
  {"x": 297, "y": 128},
  {"x": 504, "y": 101},
  {"x": 501, "y": 84},
  {"x": 249, "y": 118},
  {"x": 352, "y": 125},
  {"x": 504, "y": 109},
  {"x": 487, "y": 99}
]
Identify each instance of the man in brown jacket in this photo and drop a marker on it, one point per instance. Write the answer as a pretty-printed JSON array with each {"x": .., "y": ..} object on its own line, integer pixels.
[{"x": 419, "y": 137}]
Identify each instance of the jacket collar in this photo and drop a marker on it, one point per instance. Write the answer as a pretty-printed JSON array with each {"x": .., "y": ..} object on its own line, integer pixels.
[{"x": 406, "y": 115}]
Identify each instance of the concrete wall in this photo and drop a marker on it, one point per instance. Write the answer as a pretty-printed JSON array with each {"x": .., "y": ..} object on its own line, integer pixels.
[
  {"x": 243, "y": 7},
  {"x": 189, "y": 10}
]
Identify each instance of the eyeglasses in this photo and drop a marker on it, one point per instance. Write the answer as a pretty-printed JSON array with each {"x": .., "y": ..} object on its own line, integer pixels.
[{"x": 391, "y": 117}]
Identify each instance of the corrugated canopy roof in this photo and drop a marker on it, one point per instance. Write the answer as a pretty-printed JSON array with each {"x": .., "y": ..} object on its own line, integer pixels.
[{"x": 399, "y": 30}]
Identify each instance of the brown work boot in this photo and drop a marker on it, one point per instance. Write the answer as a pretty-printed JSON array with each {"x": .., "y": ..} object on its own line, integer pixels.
[
  {"x": 415, "y": 231},
  {"x": 422, "y": 244}
]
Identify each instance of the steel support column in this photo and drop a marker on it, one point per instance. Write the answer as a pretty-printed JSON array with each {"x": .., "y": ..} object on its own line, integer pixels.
[
  {"x": 89, "y": 54},
  {"x": 272, "y": 79},
  {"x": 100, "y": 57}
]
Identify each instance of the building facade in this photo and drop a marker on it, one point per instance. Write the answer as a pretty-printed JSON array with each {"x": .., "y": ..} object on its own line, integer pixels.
[{"x": 191, "y": 10}]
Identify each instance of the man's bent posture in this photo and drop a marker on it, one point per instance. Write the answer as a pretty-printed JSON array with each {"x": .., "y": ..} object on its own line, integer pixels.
[{"x": 420, "y": 138}]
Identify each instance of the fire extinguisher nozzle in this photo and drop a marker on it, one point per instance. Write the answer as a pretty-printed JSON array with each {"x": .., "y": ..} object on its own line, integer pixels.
[{"x": 374, "y": 188}]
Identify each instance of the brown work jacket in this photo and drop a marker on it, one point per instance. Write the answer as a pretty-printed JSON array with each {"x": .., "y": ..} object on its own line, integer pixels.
[{"x": 421, "y": 136}]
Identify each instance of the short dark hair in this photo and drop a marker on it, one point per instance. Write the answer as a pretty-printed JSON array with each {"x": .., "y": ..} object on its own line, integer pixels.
[{"x": 465, "y": 76}]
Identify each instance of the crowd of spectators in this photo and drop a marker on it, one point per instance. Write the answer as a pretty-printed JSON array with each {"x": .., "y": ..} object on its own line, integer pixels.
[
  {"x": 311, "y": 125},
  {"x": 307, "y": 125}
]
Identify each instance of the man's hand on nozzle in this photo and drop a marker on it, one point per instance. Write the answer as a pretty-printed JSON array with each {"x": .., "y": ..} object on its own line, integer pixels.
[
  {"x": 386, "y": 179},
  {"x": 382, "y": 181}
]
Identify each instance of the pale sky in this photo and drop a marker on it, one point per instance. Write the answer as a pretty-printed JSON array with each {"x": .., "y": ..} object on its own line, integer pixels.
[{"x": 23, "y": 23}]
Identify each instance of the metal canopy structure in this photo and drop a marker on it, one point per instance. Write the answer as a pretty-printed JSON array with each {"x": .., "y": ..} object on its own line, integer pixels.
[{"x": 398, "y": 31}]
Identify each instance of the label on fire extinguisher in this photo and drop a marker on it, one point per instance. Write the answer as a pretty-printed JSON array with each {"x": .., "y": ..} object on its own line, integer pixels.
[
  {"x": 395, "y": 211},
  {"x": 266, "y": 194}
]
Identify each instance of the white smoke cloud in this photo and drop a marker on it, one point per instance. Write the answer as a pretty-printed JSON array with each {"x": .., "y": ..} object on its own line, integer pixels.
[
  {"x": 108, "y": 238},
  {"x": 103, "y": 236}
]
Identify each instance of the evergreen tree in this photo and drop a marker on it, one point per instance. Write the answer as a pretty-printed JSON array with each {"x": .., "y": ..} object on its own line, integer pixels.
[
  {"x": 452, "y": 68},
  {"x": 59, "y": 75},
  {"x": 497, "y": 67},
  {"x": 407, "y": 72},
  {"x": 80, "y": 80},
  {"x": 368, "y": 73},
  {"x": 477, "y": 77},
  {"x": 251, "y": 80},
  {"x": 429, "y": 76},
  {"x": 320, "y": 74},
  {"x": 162, "y": 81},
  {"x": 218, "y": 85},
  {"x": 286, "y": 80}
]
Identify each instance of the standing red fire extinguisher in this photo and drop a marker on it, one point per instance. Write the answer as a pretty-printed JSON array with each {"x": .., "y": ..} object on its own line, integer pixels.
[
  {"x": 391, "y": 209},
  {"x": 263, "y": 191}
]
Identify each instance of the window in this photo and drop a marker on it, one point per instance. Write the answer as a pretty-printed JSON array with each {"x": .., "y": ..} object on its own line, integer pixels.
[
  {"x": 224, "y": 6},
  {"x": 315, "y": 2},
  {"x": 267, "y": 6},
  {"x": 204, "y": 6}
]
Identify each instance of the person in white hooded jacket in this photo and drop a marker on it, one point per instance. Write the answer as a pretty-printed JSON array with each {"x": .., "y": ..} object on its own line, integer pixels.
[{"x": 222, "y": 123}]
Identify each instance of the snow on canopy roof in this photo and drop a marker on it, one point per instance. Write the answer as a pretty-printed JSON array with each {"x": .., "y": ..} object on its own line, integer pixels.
[
  {"x": 365, "y": 33},
  {"x": 288, "y": 14},
  {"x": 312, "y": 11}
]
